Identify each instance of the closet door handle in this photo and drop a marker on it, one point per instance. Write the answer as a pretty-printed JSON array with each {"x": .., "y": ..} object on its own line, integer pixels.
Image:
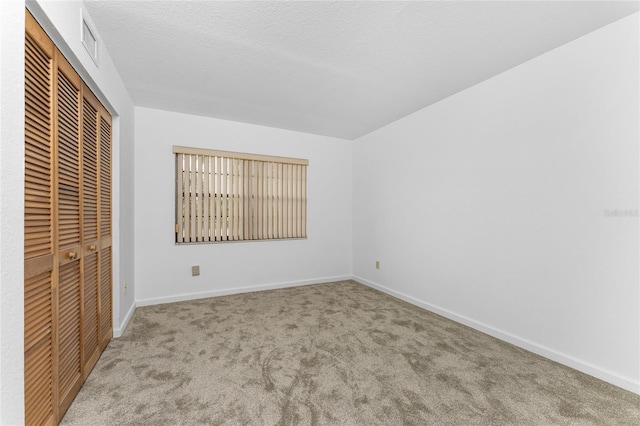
[
  {"x": 92, "y": 248},
  {"x": 72, "y": 255}
]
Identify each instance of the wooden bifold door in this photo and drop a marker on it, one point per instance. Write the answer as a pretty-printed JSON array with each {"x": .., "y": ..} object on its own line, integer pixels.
[{"x": 67, "y": 230}]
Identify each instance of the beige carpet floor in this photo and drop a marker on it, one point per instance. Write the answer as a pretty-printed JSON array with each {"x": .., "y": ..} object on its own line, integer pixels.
[{"x": 330, "y": 354}]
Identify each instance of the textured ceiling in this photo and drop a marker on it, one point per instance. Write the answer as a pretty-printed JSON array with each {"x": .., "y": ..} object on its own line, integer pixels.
[{"x": 340, "y": 69}]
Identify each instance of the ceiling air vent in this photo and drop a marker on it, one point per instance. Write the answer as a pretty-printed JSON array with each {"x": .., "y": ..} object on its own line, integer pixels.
[{"x": 89, "y": 40}]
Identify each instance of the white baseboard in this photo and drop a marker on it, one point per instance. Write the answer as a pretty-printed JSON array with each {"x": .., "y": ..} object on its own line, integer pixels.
[
  {"x": 117, "y": 331},
  {"x": 585, "y": 367},
  {"x": 237, "y": 290}
]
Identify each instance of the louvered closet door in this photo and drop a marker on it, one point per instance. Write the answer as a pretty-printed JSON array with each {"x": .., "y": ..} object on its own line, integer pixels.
[
  {"x": 67, "y": 230},
  {"x": 38, "y": 229},
  {"x": 90, "y": 281},
  {"x": 70, "y": 254},
  {"x": 104, "y": 216}
]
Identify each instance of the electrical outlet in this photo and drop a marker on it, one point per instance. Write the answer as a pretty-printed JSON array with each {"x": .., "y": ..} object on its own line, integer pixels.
[
  {"x": 124, "y": 287},
  {"x": 195, "y": 270},
  {"x": 377, "y": 264}
]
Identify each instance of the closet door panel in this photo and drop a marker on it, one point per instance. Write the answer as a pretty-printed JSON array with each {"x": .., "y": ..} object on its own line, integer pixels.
[
  {"x": 68, "y": 165},
  {"x": 90, "y": 281},
  {"x": 105, "y": 290},
  {"x": 38, "y": 175},
  {"x": 89, "y": 168},
  {"x": 69, "y": 370},
  {"x": 37, "y": 310},
  {"x": 90, "y": 315},
  {"x": 38, "y": 357},
  {"x": 105, "y": 177},
  {"x": 69, "y": 151},
  {"x": 106, "y": 306},
  {"x": 39, "y": 303}
]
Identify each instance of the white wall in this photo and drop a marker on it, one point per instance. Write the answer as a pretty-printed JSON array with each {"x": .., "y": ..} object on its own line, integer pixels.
[
  {"x": 61, "y": 20},
  {"x": 489, "y": 206},
  {"x": 163, "y": 269}
]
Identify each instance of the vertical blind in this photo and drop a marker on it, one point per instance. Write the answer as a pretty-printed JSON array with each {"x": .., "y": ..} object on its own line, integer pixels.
[{"x": 231, "y": 196}]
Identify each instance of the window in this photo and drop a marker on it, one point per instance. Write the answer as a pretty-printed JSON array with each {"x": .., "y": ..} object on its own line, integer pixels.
[{"x": 231, "y": 196}]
